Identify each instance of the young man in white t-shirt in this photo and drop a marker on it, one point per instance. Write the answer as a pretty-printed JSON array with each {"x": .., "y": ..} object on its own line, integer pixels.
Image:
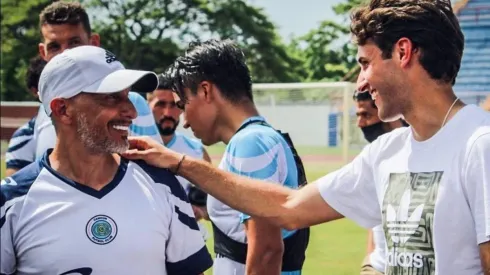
[
  {"x": 429, "y": 184},
  {"x": 21, "y": 148},
  {"x": 372, "y": 127}
]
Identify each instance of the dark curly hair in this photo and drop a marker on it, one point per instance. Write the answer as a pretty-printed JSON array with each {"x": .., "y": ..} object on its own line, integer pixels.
[
  {"x": 36, "y": 66},
  {"x": 62, "y": 12},
  {"x": 430, "y": 25},
  {"x": 166, "y": 80},
  {"x": 220, "y": 62}
]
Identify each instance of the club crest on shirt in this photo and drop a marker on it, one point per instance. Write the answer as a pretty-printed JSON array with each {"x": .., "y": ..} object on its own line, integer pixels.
[{"x": 101, "y": 229}]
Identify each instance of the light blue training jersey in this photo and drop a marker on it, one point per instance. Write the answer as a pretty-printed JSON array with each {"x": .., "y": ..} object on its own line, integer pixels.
[
  {"x": 189, "y": 146},
  {"x": 256, "y": 151},
  {"x": 144, "y": 123}
]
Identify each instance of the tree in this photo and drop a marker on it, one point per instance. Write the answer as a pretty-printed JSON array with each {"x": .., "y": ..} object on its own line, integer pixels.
[
  {"x": 267, "y": 56},
  {"x": 20, "y": 37},
  {"x": 150, "y": 34},
  {"x": 346, "y": 8},
  {"x": 324, "y": 59}
]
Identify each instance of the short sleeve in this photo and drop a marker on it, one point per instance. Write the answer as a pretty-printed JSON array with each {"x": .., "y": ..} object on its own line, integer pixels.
[
  {"x": 186, "y": 250},
  {"x": 351, "y": 190},
  {"x": 144, "y": 123},
  {"x": 257, "y": 154},
  {"x": 477, "y": 185},
  {"x": 22, "y": 147}
]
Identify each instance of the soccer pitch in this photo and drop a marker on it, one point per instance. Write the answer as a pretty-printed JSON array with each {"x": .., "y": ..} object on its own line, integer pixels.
[{"x": 336, "y": 248}]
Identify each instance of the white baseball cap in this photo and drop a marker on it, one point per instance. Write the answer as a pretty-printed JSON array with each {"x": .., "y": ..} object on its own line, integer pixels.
[{"x": 89, "y": 69}]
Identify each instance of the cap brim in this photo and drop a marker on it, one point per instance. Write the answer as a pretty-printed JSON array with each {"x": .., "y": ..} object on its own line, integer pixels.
[{"x": 135, "y": 80}]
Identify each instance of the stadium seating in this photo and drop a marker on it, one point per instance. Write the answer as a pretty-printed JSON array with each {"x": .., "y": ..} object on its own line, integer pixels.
[{"x": 474, "y": 75}]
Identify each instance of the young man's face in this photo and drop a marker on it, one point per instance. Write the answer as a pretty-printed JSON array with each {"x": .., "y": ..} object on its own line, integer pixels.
[
  {"x": 165, "y": 111},
  {"x": 57, "y": 38},
  {"x": 200, "y": 113},
  {"x": 384, "y": 78}
]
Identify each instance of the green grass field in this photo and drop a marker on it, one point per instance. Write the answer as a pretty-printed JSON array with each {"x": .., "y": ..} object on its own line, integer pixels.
[{"x": 336, "y": 248}]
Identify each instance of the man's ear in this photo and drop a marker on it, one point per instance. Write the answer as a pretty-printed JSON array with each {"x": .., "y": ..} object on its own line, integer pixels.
[
  {"x": 41, "y": 50},
  {"x": 95, "y": 39},
  {"x": 59, "y": 109},
  {"x": 404, "y": 51},
  {"x": 207, "y": 91}
]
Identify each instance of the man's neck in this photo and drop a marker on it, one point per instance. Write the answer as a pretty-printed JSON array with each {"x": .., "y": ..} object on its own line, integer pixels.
[
  {"x": 167, "y": 139},
  {"x": 390, "y": 126},
  {"x": 429, "y": 109},
  {"x": 73, "y": 161},
  {"x": 233, "y": 117}
]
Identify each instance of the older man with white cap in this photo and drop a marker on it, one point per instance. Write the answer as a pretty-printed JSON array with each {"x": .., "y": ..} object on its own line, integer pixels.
[{"x": 82, "y": 208}]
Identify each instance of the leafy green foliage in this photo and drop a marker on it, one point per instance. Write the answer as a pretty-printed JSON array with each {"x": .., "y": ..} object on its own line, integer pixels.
[
  {"x": 20, "y": 37},
  {"x": 150, "y": 34}
]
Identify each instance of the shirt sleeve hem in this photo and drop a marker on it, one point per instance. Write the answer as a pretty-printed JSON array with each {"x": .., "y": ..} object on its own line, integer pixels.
[
  {"x": 344, "y": 210},
  {"x": 195, "y": 264},
  {"x": 483, "y": 239}
]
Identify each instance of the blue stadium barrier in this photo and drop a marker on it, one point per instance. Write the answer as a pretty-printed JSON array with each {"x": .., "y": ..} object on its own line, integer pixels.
[{"x": 333, "y": 129}]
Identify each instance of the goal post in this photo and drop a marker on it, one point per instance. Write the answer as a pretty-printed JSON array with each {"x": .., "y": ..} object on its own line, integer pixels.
[{"x": 319, "y": 116}]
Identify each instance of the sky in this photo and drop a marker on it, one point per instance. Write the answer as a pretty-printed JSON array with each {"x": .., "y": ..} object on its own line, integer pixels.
[{"x": 297, "y": 17}]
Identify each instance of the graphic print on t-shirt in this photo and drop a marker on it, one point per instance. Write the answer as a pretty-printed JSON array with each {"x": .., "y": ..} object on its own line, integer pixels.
[{"x": 408, "y": 218}]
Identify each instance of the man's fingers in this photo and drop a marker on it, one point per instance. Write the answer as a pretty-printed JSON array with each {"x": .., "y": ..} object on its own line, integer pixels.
[
  {"x": 134, "y": 154},
  {"x": 137, "y": 143}
]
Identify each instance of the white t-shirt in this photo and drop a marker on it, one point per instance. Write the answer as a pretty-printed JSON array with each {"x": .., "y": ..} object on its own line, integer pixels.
[
  {"x": 377, "y": 258},
  {"x": 140, "y": 223},
  {"x": 432, "y": 197}
]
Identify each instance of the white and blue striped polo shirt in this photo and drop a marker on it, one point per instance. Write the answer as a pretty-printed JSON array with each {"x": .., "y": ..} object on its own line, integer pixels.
[
  {"x": 140, "y": 223},
  {"x": 22, "y": 147}
]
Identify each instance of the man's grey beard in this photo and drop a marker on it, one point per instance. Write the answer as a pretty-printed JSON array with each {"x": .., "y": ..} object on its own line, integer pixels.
[{"x": 95, "y": 142}]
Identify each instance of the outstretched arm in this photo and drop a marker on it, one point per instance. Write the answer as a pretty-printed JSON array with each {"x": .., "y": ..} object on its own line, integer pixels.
[
  {"x": 485, "y": 257},
  {"x": 349, "y": 190},
  {"x": 287, "y": 208}
]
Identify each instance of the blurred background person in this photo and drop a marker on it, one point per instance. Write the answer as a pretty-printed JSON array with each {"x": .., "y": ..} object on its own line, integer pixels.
[{"x": 22, "y": 146}]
